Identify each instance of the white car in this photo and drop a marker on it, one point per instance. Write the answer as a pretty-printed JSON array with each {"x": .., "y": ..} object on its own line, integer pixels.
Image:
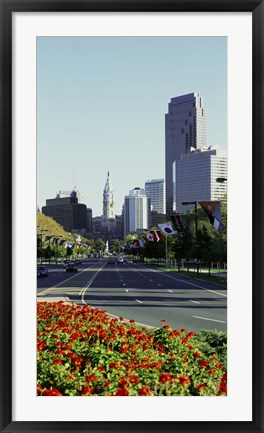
[{"x": 120, "y": 260}]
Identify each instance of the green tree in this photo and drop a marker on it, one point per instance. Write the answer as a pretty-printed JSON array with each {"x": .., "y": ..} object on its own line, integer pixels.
[
  {"x": 116, "y": 246},
  {"x": 99, "y": 245},
  {"x": 155, "y": 250}
]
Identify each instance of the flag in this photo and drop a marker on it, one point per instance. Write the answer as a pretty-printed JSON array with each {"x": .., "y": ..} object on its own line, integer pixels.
[
  {"x": 141, "y": 243},
  {"x": 156, "y": 235},
  {"x": 69, "y": 245},
  {"x": 212, "y": 208},
  {"x": 177, "y": 223},
  {"x": 149, "y": 237},
  {"x": 55, "y": 241},
  {"x": 136, "y": 243},
  {"x": 167, "y": 228},
  {"x": 62, "y": 241},
  {"x": 48, "y": 237}
]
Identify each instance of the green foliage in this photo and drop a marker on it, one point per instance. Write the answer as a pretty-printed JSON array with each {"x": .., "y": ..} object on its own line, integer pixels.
[
  {"x": 115, "y": 246},
  {"x": 213, "y": 343},
  {"x": 99, "y": 245}
]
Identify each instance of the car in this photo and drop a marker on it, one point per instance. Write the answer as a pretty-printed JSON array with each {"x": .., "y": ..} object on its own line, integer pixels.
[
  {"x": 71, "y": 267},
  {"x": 42, "y": 271},
  {"x": 120, "y": 260},
  {"x": 111, "y": 260}
]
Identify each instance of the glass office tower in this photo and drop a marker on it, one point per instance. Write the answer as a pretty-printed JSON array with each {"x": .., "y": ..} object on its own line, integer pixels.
[{"x": 185, "y": 130}]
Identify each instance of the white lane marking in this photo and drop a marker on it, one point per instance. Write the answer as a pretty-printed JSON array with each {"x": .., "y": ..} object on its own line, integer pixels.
[
  {"x": 170, "y": 291},
  {"x": 124, "y": 284},
  {"x": 195, "y": 302},
  {"x": 151, "y": 280},
  {"x": 183, "y": 281},
  {"x": 49, "y": 289},
  {"x": 211, "y": 320},
  {"x": 126, "y": 290},
  {"x": 139, "y": 301},
  {"x": 159, "y": 285},
  {"x": 82, "y": 292}
]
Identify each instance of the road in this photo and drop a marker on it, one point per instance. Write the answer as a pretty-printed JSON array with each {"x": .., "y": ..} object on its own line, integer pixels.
[{"x": 147, "y": 295}]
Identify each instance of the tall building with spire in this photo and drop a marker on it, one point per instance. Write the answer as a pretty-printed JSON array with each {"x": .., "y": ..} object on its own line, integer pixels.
[{"x": 108, "y": 201}]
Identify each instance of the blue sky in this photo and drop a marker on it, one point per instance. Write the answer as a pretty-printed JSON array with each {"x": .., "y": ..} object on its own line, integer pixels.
[{"x": 101, "y": 104}]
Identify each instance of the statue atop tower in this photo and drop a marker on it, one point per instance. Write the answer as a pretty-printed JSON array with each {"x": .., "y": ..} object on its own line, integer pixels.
[{"x": 108, "y": 201}]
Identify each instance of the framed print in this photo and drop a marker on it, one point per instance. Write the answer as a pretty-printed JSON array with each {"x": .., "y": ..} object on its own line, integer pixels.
[{"x": 98, "y": 92}]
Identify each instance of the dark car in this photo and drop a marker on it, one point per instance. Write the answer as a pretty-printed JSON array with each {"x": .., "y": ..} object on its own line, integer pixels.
[
  {"x": 111, "y": 260},
  {"x": 71, "y": 267},
  {"x": 42, "y": 271}
]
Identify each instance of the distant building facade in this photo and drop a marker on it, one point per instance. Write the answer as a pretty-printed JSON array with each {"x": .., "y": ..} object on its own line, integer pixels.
[
  {"x": 136, "y": 211},
  {"x": 197, "y": 177},
  {"x": 185, "y": 129},
  {"x": 89, "y": 220},
  {"x": 66, "y": 211},
  {"x": 155, "y": 190}
]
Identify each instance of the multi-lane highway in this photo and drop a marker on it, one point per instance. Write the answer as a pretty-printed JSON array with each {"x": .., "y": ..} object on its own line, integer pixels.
[{"x": 147, "y": 295}]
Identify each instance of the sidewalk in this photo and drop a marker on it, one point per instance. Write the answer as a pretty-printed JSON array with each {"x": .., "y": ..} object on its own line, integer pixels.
[{"x": 53, "y": 299}]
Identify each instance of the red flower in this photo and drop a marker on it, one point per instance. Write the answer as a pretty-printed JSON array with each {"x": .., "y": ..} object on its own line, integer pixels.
[
  {"x": 123, "y": 382},
  {"x": 165, "y": 327},
  {"x": 134, "y": 379},
  {"x": 145, "y": 390},
  {"x": 39, "y": 388},
  {"x": 132, "y": 321},
  {"x": 57, "y": 361},
  {"x": 114, "y": 365},
  {"x": 223, "y": 387},
  {"x": 52, "y": 392},
  {"x": 201, "y": 386},
  {"x": 203, "y": 364},
  {"x": 91, "y": 377},
  {"x": 122, "y": 392},
  {"x": 197, "y": 355},
  {"x": 165, "y": 377},
  {"x": 87, "y": 390},
  {"x": 184, "y": 379}
]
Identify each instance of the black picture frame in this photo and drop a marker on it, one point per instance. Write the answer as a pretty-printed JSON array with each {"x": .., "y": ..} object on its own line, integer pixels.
[{"x": 7, "y": 7}]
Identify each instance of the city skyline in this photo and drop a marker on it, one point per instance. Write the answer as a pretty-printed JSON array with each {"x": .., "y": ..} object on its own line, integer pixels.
[{"x": 102, "y": 104}]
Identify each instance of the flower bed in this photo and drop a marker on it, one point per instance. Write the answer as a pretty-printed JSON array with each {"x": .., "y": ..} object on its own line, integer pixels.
[{"x": 81, "y": 351}]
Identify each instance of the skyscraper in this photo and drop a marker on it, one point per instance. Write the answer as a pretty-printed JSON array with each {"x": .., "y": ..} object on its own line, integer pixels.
[
  {"x": 155, "y": 190},
  {"x": 108, "y": 201},
  {"x": 185, "y": 129},
  {"x": 197, "y": 174},
  {"x": 136, "y": 211}
]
